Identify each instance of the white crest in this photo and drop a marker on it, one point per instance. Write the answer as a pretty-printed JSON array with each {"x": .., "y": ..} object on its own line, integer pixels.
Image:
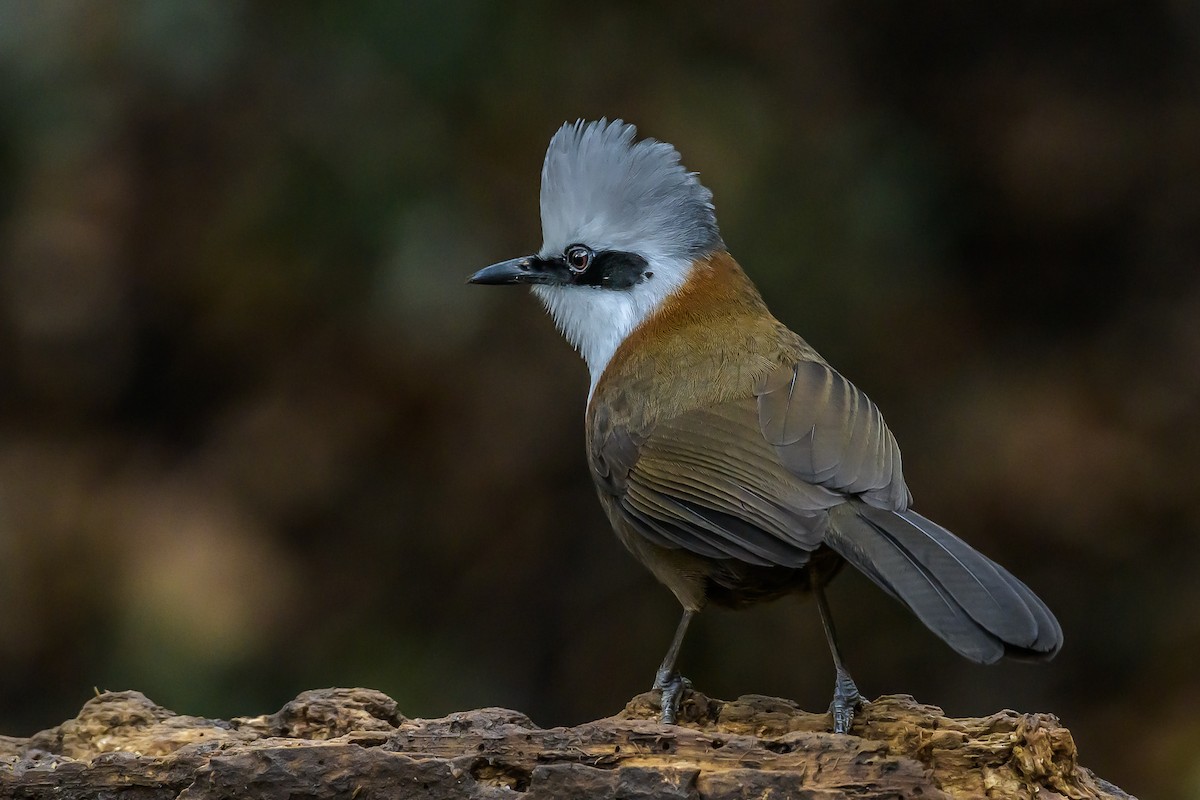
[{"x": 603, "y": 190}]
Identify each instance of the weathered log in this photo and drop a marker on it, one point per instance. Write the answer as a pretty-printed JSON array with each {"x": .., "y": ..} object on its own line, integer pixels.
[{"x": 355, "y": 744}]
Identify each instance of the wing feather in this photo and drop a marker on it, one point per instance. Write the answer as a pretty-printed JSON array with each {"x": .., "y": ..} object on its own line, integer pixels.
[
  {"x": 826, "y": 431},
  {"x": 752, "y": 479}
]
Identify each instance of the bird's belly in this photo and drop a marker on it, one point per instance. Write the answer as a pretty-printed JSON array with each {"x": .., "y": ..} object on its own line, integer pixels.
[
  {"x": 734, "y": 584},
  {"x": 684, "y": 573},
  {"x": 696, "y": 580}
]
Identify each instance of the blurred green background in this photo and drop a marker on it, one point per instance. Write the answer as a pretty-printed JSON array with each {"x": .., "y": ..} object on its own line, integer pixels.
[{"x": 257, "y": 436}]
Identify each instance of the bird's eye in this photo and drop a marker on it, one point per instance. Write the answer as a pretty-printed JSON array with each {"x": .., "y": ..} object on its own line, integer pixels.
[{"x": 579, "y": 257}]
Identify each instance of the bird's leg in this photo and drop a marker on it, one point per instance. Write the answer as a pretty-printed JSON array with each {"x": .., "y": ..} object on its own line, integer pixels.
[
  {"x": 668, "y": 679},
  {"x": 846, "y": 698}
]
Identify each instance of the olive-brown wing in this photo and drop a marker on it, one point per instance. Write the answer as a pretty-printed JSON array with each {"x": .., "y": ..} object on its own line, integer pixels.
[
  {"x": 826, "y": 431},
  {"x": 709, "y": 482}
]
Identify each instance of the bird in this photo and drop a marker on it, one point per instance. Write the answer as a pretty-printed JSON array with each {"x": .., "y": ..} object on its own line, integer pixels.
[{"x": 731, "y": 459}]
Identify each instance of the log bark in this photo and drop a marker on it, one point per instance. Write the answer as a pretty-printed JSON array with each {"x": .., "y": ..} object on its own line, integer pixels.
[{"x": 355, "y": 744}]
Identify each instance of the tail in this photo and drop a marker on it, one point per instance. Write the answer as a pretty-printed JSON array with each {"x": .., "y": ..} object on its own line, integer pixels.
[{"x": 967, "y": 599}]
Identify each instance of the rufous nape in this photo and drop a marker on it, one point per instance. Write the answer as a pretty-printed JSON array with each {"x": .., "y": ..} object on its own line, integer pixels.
[{"x": 731, "y": 459}]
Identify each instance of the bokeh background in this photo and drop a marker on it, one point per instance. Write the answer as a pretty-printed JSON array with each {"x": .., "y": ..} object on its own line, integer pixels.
[{"x": 257, "y": 436}]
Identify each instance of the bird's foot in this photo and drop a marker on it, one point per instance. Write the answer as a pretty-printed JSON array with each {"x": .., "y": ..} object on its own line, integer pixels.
[
  {"x": 673, "y": 685},
  {"x": 846, "y": 700}
]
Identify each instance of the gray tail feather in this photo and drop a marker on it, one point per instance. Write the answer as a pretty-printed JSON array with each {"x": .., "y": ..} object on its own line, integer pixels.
[{"x": 971, "y": 602}]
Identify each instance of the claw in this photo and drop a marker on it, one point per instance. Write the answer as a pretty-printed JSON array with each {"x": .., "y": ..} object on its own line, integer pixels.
[
  {"x": 846, "y": 700},
  {"x": 672, "y": 685}
]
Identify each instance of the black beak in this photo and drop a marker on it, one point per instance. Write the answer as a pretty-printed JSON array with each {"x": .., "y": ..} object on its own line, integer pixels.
[{"x": 527, "y": 269}]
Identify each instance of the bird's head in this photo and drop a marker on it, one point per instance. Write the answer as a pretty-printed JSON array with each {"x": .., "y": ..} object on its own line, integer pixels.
[{"x": 623, "y": 225}]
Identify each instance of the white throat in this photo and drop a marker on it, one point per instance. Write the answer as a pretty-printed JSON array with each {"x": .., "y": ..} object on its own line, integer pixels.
[{"x": 596, "y": 321}]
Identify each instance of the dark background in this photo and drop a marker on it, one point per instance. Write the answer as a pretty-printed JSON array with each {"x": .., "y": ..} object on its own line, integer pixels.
[{"x": 257, "y": 436}]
